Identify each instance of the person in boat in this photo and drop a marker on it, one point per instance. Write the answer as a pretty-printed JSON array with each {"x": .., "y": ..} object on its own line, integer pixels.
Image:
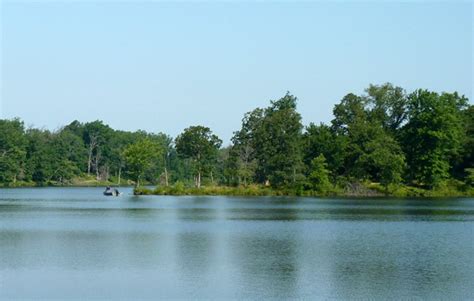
[
  {"x": 111, "y": 192},
  {"x": 108, "y": 191}
]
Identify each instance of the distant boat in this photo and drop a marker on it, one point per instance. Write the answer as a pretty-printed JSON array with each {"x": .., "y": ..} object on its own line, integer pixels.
[{"x": 111, "y": 192}]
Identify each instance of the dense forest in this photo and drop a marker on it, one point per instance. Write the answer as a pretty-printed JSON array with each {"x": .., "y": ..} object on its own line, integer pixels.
[{"x": 384, "y": 139}]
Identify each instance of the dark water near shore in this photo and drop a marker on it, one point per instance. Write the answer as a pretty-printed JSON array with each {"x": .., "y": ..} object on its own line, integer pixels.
[{"x": 75, "y": 243}]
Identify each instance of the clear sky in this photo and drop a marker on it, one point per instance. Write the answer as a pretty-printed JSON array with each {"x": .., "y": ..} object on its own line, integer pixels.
[{"x": 163, "y": 66}]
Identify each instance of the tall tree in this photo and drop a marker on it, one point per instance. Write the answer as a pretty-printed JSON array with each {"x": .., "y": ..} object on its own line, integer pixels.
[
  {"x": 139, "y": 157},
  {"x": 12, "y": 150},
  {"x": 319, "y": 174},
  {"x": 371, "y": 151},
  {"x": 200, "y": 146},
  {"x": 96, "y": 137},
  {"x": 243, "y": 153},
  {"x": 388, "y": 105},
  {"x": 433, "y": 135},
  {"x": 323, "y": 140},
  {"x": 273, "y": 137},
  {"x": 464, "y": 163}
]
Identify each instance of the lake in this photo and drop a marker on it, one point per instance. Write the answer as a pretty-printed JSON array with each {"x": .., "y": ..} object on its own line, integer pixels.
[{"x": 75, "y": 243}]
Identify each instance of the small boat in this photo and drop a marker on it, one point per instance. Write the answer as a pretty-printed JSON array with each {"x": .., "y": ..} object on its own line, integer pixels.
[{"x": 111, "y": 192}]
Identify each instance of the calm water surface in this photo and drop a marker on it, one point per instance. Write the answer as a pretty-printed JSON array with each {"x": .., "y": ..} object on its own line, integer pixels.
[{"x": 76, "y": 243}]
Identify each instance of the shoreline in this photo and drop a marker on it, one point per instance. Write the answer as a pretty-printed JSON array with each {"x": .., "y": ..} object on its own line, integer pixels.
[
  {"x": 372, "y": 190},
  {"x": 402, "y": 192}
]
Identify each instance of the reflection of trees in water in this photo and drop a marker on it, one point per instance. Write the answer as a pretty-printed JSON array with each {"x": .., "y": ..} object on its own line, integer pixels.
[
  {"x": 390, "y": 210},
  {"x": 71, "y": 249},
  {"x": 382, "y": 211},
  {"x": 195, "y": 253},
  {"x": 195, "y": 247},
  {"x": 197, "y": 214},
  {"x": 139, "y": 243},
  {"x": 14, "y": 248},
  {"x": 265, "y": 259},
  {"x": 398, "y": 262},
  {"x": 270, "y": 214},
  {"x": 267, "y": 265},
  {"x": 197, "y": 209},
  {"x": 83, "y": 238}
]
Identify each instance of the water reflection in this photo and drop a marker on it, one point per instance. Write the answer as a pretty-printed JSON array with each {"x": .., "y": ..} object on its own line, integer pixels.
[
  {"x": 400, "y": 262},
  {"x": 195, "y": 253},
  {"x": 351, "y": 213},
  {"x": 267, "y": 266},
  {"x": 239, "y": 248}
]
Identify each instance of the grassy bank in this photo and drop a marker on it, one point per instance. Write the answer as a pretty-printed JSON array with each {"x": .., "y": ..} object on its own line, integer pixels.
[
  {"x": 366, "y": 189},
  {"x": 358, "y": 190},
  {"x": 83, "y": 181}
]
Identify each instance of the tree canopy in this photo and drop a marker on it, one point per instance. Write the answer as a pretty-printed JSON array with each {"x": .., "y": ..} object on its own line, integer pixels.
[
  {"x": 384, "y": 136},
  {"x": 199, "y": 146}
]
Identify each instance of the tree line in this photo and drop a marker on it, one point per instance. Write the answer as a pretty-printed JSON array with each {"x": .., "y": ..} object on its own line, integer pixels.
[{"x": 386, "y": 136}]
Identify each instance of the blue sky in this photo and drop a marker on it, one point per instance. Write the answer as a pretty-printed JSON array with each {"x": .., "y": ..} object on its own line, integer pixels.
[{"x": 163, "y": 66}]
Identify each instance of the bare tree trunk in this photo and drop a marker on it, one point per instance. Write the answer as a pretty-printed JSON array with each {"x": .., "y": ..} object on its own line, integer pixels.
[
  {"x": 166, "y": 177},
  {"x": 212, "y": 179},
  {"x": 104, "y": 175},
  {"x": 92, "y": 145},
  {"x": 199, "y": 179},
  {"x": 119, "y": 175},
  {"x": 89, "y": 161},
  {"x": 96, "y": 165}
]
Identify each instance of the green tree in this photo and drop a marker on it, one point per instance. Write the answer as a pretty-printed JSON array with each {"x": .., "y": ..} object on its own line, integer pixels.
[
  {"x": 159, "y": 170},
  {"x": 465, "y": 161},
  {"x": 433, "y": 135},
  {"x": 273, "y": 138},
  {"x": 385, "y": 160},
  {"x": 470, "y": 176},
  {"x": 72, "y": 147},
  {"x": 350, "y": 111},
  {"x": 388, "y": 105},
  {"x": 200, "y": 146},
  {"x": 38, "y": 155},
  {"x": 319, "y": 175},
  {"x": 370, "y": 151},
  {"x": 242, "y": 156},
  {"x": 322, "y": 139},
  {"x": 69, "y": 155},
  {"x": 139, "y": 157},
  {"x": 12, "y": 150},
  {"x": 53, "y": 156},
  {"x": 97, "y": 137}
]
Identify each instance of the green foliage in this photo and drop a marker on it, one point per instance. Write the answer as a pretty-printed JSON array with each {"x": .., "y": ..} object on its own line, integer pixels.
[
  {"x": 385, "y": 160},
  {"x": 368, "y": 123},
  {"x": 270, "y": 143},
  {"x": 319, "y": 175},
  {"x": 200, "y": 146},
  {"x": 381, "y": 142},
  {"x": 388, "y": 106},
  {"x": 139, "y": 157},
  {"x": 321, "y": 139},
  {"x": 433, "y": 135},
  {"x": 465, "y": 160},
  {"x": 12, "y": 151},
  {"x": 470, "y": 176}
]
